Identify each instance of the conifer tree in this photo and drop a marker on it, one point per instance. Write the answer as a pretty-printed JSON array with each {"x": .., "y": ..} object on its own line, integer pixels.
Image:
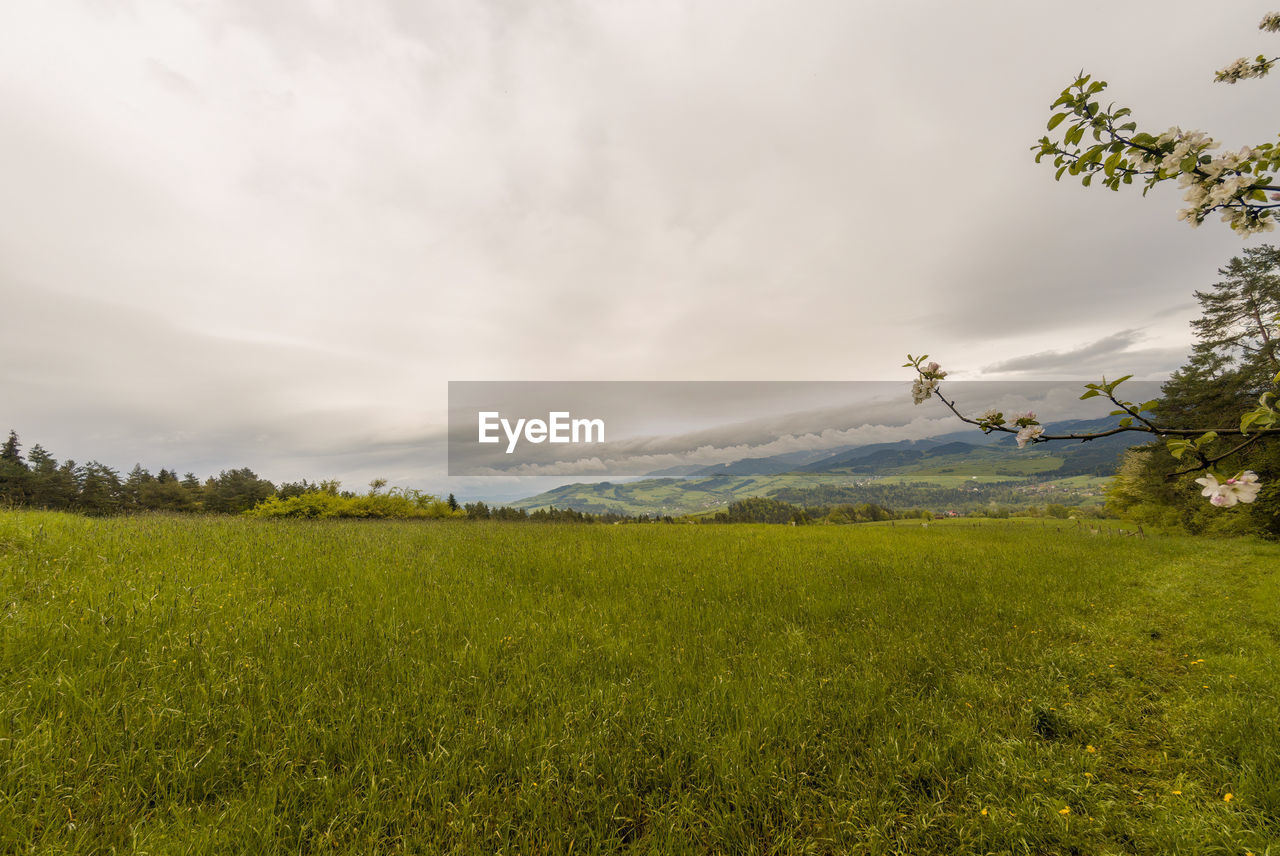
[
  {"x": 1234, "y": 358},
  {"x": 15, "y": 478}
]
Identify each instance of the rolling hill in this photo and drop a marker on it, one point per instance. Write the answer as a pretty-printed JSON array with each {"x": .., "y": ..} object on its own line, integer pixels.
[{"x": 958, "y": 470}]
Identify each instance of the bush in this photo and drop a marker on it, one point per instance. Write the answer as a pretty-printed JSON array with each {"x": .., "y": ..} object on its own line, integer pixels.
[{"x": 397, "y": 504}]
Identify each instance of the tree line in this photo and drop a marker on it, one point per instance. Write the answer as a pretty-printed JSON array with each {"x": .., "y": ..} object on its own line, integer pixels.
[{"x": 39, "y": 480}]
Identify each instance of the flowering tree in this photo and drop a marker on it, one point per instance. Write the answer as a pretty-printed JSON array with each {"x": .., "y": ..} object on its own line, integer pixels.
[{"x": 1240, "y": 185}]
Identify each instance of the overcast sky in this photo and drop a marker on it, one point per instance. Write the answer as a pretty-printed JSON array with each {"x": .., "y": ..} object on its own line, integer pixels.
[{"x": 267, "y": 234}]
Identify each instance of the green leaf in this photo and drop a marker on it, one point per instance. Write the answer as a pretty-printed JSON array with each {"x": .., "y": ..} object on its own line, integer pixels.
[{"x": 1056, "y": 120}]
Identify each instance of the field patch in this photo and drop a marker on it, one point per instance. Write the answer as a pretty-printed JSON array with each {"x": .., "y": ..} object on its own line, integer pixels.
[{"x": 214, "y": 685}]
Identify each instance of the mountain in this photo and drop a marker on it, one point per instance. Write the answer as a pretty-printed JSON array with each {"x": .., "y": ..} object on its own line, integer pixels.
[
  {"x": 772, "y": 465},
  {"x": 958, "y": 466}
]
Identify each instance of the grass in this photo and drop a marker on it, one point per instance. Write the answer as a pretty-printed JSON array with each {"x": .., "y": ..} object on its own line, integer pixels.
[{"x": 226, "y": 685}]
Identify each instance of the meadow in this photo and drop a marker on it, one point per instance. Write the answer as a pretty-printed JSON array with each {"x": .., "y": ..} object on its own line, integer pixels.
[{"x": 202, "y": 685}]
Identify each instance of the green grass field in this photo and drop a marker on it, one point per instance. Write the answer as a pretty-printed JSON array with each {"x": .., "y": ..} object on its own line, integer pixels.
[{"x": 228, "y": 685}]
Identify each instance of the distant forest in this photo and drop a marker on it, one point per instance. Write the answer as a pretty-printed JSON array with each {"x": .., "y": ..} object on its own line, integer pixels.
[{"x": 38, "y": 480}]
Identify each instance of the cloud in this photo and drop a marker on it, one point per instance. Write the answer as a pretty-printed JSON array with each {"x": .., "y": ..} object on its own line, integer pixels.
[
  {"x": 855, "y": 414},
  {"x": 1114, "y": 355},
  {"x": 300, "y": 220}
]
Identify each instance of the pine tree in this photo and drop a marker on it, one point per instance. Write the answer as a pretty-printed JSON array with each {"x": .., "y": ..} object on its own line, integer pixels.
[
  {"x": 11, "y": 453},
  {"x": 1237, "y": 314},
  {"x": 49, "y": 487},
  {"x": 15, "y": 478},
  {"x": 100, "y": 489},
  {"x": 234, "y": 491},
  {"x": 1232, "y": 362},
  {"x": 1236, "y": 354},
  {"x": 138, "y": 478}
]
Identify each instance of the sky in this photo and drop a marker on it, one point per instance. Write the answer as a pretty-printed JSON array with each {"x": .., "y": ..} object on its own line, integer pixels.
[{"x": 269, "y": 234}]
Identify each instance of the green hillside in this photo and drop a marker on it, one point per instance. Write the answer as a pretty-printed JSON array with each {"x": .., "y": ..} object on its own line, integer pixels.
[{"x": 944, "y": 484}]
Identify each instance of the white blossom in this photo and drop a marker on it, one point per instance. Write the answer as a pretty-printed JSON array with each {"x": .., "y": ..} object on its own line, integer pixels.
[
  {"x": 1270, "y": 22},
  {"x": 1227, "y": 162},
  {"x": 1244, "y": 69},
  {"x": 1238, "y": 70},
  {"x": 1194, "y": 216},
  {"x": 1028, "y": 433},
  {"x": 922, "y": 388},
  {"x": 1245, "y": 221},
  {"x": 1241, "y": 488}
]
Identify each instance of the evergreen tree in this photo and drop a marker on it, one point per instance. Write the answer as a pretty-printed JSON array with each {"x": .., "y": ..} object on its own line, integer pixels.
[
  {"x": 234, "y": 491},
  {"x": 50, "y": 486},
  {"x": 1235, "y": 355},
  {"x": 194, "y": 492},
  {"x": 165, "y": 493},
  {"x": 1232, "y": 362},
  {"x": 69, "y": 483},
  {"x": 11, "y": 452},
  {"x": 139, "y": 477},
  {"x": 100, "y": 489},
  {"x": 15, "y": 478}
]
